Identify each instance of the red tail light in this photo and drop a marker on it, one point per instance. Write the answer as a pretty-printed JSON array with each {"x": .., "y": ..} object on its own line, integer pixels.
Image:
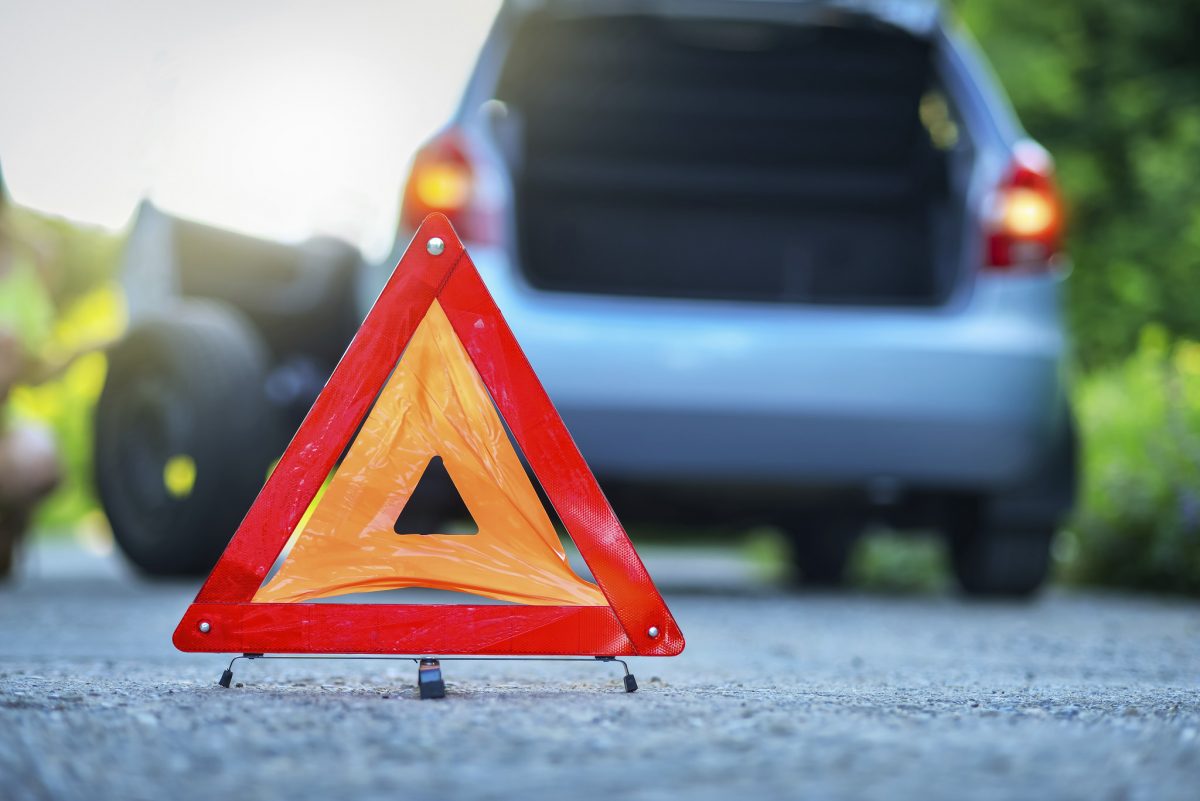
[
  {"x": 445, "y": 178},
  {"x": 1025, "y": 215}
]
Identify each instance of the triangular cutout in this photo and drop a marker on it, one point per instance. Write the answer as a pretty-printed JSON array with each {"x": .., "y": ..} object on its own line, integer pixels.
[
  {"x": 622, "y": 614},
  {"x": 435, "y": 500}
]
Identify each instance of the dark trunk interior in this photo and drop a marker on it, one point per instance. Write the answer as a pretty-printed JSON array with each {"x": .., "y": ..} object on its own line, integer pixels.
[{"x": 721, "y": 160}]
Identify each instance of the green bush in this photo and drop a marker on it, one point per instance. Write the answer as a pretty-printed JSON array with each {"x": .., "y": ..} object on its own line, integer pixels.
[
  {"x": 1138, "y": 522},
  {"x": 885, "y": 561}
]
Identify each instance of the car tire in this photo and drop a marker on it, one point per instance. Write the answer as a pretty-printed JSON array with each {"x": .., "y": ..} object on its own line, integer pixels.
[
  {"x": 184, "y": 436},
  {"x": 1001, "y": 563},
  {"x": 1000, "y": 545},
  {"x": 820, "y": 550}
]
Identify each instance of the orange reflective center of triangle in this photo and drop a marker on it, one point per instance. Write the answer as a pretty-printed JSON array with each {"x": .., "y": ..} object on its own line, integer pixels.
[{"x": 434, "y": 404}]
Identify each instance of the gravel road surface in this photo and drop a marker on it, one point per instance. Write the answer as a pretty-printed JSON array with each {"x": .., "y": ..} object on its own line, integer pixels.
[{"x": 777, "y": 696}]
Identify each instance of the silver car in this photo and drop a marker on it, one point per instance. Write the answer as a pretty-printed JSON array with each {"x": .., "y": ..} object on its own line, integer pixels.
[{"x": 790, "y": 262}]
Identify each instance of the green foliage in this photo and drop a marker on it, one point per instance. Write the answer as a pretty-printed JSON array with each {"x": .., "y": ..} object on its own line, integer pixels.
[
  {"x": 1112, "y": 88},
  {"x": 1138, "y": 524},
  {"x": 885, "y": 561}
]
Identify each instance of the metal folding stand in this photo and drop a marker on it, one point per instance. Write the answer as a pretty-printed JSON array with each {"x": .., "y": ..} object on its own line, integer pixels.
[
  {"x": 429, "y": 679},
  {"x": 429, "y": 669}
]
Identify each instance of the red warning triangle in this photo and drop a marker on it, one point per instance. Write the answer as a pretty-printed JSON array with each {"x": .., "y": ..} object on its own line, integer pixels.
[{"x": 434, "y": 371}]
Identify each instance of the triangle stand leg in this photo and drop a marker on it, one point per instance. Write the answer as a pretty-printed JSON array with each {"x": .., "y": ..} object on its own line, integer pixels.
[
  {"x": 630, "y": 681},
  {"x": 429, "y": 679},
  {"x": 227, "y": 675}
]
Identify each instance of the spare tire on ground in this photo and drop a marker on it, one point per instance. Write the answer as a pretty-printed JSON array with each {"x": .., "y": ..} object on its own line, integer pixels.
[{"x": 184, "y": 436}]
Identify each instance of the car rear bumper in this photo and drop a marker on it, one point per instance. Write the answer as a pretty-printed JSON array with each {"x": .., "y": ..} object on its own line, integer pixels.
[
  {"x": 816, "y": 449},
  {"x": 967, "y": 396}
]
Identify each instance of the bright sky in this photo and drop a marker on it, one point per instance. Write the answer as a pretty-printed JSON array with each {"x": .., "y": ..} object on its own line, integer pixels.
[{"x": 277, "y": 118}]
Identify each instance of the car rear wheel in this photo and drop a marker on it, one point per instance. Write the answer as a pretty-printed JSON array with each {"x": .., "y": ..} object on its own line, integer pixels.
[
  {"x": 820, "y": 547},
  {"x": 1000, "y": 545},
  {"x": 1001, "y": 563},
  {"x": 183, "y": 436}
]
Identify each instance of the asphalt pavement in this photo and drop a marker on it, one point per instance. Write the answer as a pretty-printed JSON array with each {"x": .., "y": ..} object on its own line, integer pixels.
[{"x": 778, "y": 695}]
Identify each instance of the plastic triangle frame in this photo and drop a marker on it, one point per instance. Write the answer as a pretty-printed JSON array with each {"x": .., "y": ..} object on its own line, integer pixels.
[{"x": 636, "y": 622}]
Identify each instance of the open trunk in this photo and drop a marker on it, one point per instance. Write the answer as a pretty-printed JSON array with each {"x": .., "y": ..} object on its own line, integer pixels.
[{"x": 714, "y": 159}]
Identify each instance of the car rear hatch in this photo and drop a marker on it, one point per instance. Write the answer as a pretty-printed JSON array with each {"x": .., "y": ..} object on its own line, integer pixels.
[{"x": 677, "y": 157}]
